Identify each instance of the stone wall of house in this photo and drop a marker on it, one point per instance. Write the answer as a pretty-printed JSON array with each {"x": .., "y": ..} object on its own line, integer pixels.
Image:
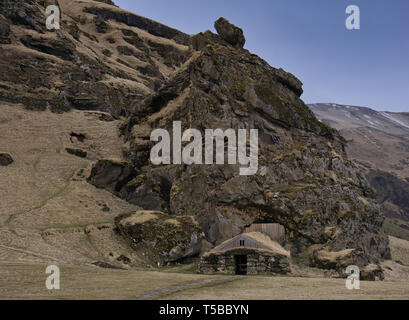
[{"x": 258, "y": 262}]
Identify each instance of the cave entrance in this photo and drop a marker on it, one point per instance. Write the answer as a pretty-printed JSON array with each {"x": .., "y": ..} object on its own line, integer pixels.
[{"x": 241, "y": 264}]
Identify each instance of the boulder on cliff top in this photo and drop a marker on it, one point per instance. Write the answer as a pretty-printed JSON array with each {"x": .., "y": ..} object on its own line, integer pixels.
[{"x": 230, "y": 33}]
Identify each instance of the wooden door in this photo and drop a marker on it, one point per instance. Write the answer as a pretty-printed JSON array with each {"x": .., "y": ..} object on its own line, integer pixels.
[{"x": 241, "y": 264}]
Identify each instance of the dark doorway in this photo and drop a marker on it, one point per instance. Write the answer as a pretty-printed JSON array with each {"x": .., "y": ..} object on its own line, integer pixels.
[{"x": 241, "y": 264}]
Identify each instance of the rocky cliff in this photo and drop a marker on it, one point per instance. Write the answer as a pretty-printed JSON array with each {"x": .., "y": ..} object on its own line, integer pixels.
[
  {"x": 378, "y": 142},
  {"x": 103, "y": 58},
  {"x": 110, "y": 60}
]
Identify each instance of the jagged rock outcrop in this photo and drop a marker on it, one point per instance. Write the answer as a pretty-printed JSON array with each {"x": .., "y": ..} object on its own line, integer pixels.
[
  {"x": 305, "y": 181},
  {"x": 161, "y": 238},
  {"x": 230, "y": 33}
]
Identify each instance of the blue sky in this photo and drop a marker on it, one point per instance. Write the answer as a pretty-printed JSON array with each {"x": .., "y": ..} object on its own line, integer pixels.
[{"x": 366, "y": 67}]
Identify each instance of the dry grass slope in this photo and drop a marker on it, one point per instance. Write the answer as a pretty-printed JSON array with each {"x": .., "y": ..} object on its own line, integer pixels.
[{"x": 47, "y": 210}]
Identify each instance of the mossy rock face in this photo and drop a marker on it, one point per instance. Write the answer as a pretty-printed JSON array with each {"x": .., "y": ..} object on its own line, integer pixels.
[
  {"x": 238, "y": 88},
  {"x": 136, "y": 182},
  {"x": 161, "y": 238},
  {"x": 291, "y": 112}
]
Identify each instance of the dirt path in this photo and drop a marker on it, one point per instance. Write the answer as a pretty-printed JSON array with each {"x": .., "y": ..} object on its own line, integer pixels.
[
  {"x": 170, "y": 290},
  {"x": 31, "y": 253}
]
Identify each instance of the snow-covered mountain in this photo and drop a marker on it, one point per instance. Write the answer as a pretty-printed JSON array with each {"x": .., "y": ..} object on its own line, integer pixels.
[{"x": 348, "y": 117}]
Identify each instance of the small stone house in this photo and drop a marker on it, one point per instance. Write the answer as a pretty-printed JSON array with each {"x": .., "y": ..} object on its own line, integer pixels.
[{"x": 248, "y": 253}]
